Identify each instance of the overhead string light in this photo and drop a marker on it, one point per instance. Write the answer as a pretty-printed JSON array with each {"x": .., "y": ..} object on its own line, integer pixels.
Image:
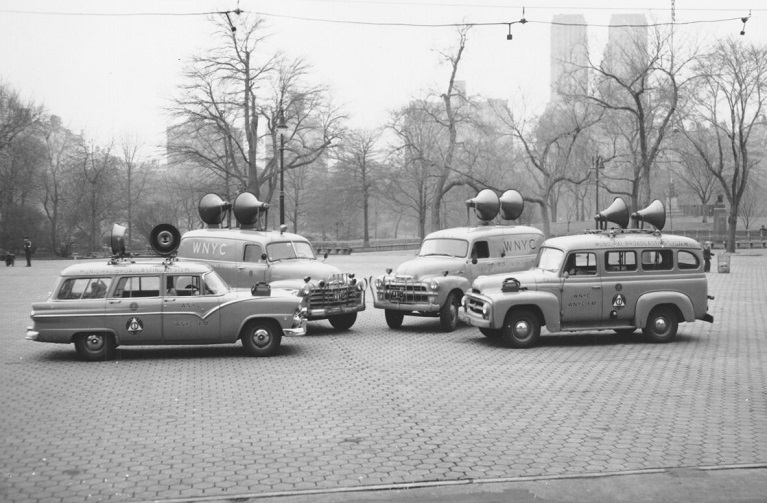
[
  {"x": 521, "y": 21},
  {"x": 744, "y": 19}
]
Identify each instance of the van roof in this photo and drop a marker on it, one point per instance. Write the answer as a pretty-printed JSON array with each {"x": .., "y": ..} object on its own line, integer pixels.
[
  {"x": 249, "y": 235},
  {"x": 483, "y": 232},
  {"x": 621, "y": 239},
  {"x": 148, "y": 266}
]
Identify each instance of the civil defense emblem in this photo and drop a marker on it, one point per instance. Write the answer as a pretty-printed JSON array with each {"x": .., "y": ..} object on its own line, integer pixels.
[{"x": 134, "y": 326}]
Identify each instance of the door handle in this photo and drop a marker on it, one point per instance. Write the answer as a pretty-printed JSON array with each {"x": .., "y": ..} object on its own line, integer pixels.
[
  {"x": 596, "y": 287},
  {"x": 170, "y": 300},
  {"x": 115, "y": 301}
]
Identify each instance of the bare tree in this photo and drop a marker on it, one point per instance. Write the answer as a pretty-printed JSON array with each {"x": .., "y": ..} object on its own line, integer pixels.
[{"x": 731, "y": 93}]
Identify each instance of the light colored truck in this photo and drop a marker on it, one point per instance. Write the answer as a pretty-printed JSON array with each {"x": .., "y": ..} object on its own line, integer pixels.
[{"x": 617, "y": 279}]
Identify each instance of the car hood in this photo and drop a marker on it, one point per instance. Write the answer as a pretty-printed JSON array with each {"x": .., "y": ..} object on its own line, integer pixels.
[
  {"x": 425, "y": 267},
  {"x": 291, "y": 273},
  {"x": 528, "y": 279}
]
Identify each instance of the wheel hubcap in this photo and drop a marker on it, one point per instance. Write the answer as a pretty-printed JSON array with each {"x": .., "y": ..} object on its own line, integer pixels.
[
  {"x": 661, "y": 325},
  {"x": 262, "y": 338},
  {"x": 94, "y": 342},
  {"x": 522, "y": 329}
]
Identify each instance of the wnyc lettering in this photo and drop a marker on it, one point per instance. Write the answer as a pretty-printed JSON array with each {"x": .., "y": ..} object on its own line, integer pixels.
[
  {"x": 210, "y": 249},
  {"x": 524, "y": 245}
]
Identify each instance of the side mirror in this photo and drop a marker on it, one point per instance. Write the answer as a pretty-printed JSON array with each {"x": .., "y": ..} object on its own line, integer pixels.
[
  {"x": 474, "y": 260},
  {"x": 263, "y": 257}
]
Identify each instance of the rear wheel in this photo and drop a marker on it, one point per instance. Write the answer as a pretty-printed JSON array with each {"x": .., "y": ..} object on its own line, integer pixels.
[
  {"x": 343, "y": 321},
  {"x": 394, "y": 318},
  {"x": 95, "y": 346},
  {"x": 521, "y": 328},
  {"x": 448, "y": 315},
  {"x": 661, "y": 325},
  {"x": 261, "y": 337}
]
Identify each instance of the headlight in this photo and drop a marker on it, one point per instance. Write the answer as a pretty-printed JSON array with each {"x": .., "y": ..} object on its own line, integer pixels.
[
  {"x": 379, "y": 283},
  {"x": 306, "y": 290},
  {"x": 434, "y": 285},
  {"x": 464, "y": 302},
  {"x": 485, "y": 310},
  {"x": 362, "y": 285}
]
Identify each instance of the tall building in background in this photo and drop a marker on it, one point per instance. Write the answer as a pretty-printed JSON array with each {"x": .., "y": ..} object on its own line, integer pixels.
[
  {"x": 569, "y": 55},
  {"x": 626, "y": 43}
]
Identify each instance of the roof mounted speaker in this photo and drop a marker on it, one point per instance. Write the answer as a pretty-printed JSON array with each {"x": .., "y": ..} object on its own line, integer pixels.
[
  {"x": 247, "y": 209},
  {"x": 213, "y": 209},
  {"x": 164, "y": 239},
  {"x": 486, "y": 205},
  {"x": 117, "y": 240},
  {"x": 512, "y": 205},
  {"x": 654, "y": 214},
  {"x": 617, "y": 213}
]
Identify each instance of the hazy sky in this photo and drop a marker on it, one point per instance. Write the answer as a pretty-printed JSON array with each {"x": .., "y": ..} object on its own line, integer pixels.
[{"x": 109, "y": 67}]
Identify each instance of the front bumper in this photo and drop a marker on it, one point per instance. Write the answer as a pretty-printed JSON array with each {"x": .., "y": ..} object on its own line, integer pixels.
[
  {"x": 401, "y": 306},
  {"x": 472, "y": 320},
  {"x": 322, "y": 313},
  {"x": 32, "y": 335},
  {"x": 295, "y": 331}
]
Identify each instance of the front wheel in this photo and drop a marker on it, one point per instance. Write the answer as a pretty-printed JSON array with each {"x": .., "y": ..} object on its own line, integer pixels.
[
  {"x": 96, "y": 346},
  {"x": 661, "y": 325},
  {"x": 394, "y": 318},
  {"x": 521, "y": 329},
  {"x": 261, "y": 338},
  {"x": 343, "y": 321},
  {"x": 448, "y": 315}
]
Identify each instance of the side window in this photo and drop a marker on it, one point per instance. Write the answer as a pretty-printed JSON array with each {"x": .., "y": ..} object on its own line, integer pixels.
[
  {"x": 687, "y": 260},
  {"x": 480, "y": 250},
  {"x": 582, "y": 264},
  {"x": 253, "y": 253},
  {"x": 72, "y": 289},
  {"x": 182, "y": 285},
  {"x": 97, "y": 288},
  {"x": 138, "y": 286},
  {"x": 657, "y": 260},
  {"x": 620, "y": 261}
]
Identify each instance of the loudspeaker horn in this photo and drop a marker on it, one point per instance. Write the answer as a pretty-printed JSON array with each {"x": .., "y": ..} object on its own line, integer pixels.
[
  {"x": 655, "y": 214},
  {"x": 247, "y": 208},
  {"x": 485, "y": 204},
  {"x": 617, "y": 213},
  {"x": 512, "y": 205},
  {"x": 117, "y": 240},
  {"x": 164, "y": 239},
  {"x": 213, "y": 209}
]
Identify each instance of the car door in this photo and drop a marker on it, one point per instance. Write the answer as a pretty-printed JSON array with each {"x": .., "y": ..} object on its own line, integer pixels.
[
  {"x": 134, "y": 310},
  {"x": 620, "y": 285},
  {"x": 581, "y": 288},
  {"x": 190, "y": 312},
  {"x": 252, "y": 269}
]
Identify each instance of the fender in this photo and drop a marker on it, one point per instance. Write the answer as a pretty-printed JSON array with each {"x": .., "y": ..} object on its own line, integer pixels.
[
  {"x": 448, "y": 284},
  {"x": 648, "y": 301},
  {"x": 544, "y": 302}
]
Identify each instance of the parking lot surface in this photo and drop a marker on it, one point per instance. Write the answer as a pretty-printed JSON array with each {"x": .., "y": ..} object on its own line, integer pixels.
[{"x": 376, "y": 408}]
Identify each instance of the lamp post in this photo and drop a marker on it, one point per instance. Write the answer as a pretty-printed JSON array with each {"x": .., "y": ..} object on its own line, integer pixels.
[
  {"x": 282, "y": 127},
  {"x": 598, "y": 164}
]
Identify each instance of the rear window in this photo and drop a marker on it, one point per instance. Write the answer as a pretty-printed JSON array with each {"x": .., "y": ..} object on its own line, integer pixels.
[
  {"x": 687, "y": 260},
  {"x": 84, "y": 288}
]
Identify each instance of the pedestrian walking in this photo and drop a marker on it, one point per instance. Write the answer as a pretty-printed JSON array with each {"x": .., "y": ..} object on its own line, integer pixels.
[
  {"x": 707, "y": 256},
  {"x": 28, "y": 251}
]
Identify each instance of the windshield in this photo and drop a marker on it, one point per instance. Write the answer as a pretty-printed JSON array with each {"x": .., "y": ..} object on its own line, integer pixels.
[
  {"x": 444, "y": 246},
  {"x": 214, "y": 285},
  {"x": 289, "y": 250},
  {"x": 549, "y": 259}
]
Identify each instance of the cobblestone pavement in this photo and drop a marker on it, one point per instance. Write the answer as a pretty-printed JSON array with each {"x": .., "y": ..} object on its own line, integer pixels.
[{"x": 373, "y": 406}]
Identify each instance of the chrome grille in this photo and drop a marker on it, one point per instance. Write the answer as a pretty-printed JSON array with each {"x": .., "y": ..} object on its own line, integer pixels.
[{"x": 404, "y": 291}]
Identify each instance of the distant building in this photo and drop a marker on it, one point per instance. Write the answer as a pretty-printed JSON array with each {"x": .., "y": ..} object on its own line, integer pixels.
[
  {"x": 569, "y": 55},
  {"x": 626, "y": 44}
]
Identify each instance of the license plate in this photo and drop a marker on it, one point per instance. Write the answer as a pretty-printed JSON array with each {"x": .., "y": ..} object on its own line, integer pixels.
[{"x": 397, "y": 295}]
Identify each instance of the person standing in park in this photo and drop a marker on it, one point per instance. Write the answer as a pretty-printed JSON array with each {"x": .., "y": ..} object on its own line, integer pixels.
[
  {"x": 707, "y": 256},
  {"x": 28, "y": 251}
]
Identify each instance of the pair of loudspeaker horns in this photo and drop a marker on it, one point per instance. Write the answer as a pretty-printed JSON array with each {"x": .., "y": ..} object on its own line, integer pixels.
[
  {"x": 618, "y": 213},
  {"x": 487, "y": 205},
  {"x": 246, "y": 208}
]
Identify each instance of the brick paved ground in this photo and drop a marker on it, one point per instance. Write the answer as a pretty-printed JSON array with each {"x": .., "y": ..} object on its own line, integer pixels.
[{"x": 375, "y": 406}]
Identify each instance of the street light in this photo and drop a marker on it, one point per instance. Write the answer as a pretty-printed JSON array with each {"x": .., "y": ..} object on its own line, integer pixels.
[
  {"x": 282, "y": 128},
  {"x": 598, "y": 164}
]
